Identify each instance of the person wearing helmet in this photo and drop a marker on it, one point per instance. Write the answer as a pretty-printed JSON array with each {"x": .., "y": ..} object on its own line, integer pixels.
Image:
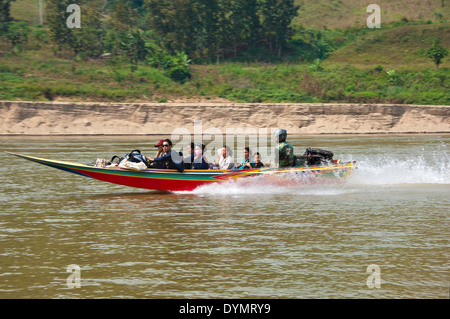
[{"x": 285, "y": 150}]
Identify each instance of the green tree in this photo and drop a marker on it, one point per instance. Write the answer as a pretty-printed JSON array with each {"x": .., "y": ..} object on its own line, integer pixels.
[
  {"x": 136, "y": 48},
  {"x": 175, "y": 21},
  {"x": 5, "y": 16},
  {"x": 60, "y": 34},
  {"x": 209, "y": 32},
  {"x": 122, "y": 16},
  {"x": 436, "y": 52},
  {"x": 214, "y": 28},
  {"x": 17, "y": 34},
  {"x": 244, "y": 24},
  {"x": 276, "y": 16},
  {"x": 118, "y": 26},
  {"x": 88, "y": 39},
  {"x": 179, "y": 69}
]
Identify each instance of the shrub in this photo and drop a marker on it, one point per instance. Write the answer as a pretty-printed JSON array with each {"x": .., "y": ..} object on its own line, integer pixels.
[
  {"x": 394, "y": 78},
  {"x": 316, "y": 66},
  {"x": 436, "y": 52}
]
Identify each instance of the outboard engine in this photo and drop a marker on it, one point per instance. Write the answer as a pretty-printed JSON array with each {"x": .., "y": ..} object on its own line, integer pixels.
[{"x": 314, "y": 156}]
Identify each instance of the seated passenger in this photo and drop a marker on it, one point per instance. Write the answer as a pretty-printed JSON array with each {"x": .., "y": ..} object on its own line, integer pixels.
[
  {"x": 246, "y": 162},
  {"x": 215, "y": 165},
  {"x": 160, "y": 151},
  {"x": 200, "y": 161},
  {"x": 226, "y": 160},
  {"x": 258, "y": 163},
  {"x": 189, "y": 160}
]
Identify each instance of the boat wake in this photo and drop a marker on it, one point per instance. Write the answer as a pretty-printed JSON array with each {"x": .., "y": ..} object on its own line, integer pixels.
[
  {"x": 275, "y": 184},
  {"x": 374, "y": 171},
  {"x": 430, "y": 168}
]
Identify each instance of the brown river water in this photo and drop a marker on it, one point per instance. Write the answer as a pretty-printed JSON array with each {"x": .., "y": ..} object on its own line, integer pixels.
[{"x": 381, "y": 233}]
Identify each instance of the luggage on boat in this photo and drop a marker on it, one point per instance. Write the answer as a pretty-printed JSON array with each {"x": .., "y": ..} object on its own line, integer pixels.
[
  {"x": 134, "y": 159},
  {"x": 101, "y": 162},
  {"x": 314, "y": 156},
  {"x": 139, "y": 166}
]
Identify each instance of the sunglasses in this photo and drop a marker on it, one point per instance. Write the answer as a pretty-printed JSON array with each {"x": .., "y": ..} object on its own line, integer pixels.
[{"x": 165, "y": 145}]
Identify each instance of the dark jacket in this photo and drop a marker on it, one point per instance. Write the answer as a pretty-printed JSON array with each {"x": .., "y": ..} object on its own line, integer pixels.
[
  {"x": 189, "y": 161},
  {"x": 172, "y": 160},
  {"x": 259, "y": 165},
  {"x": 200, "y": 165}
]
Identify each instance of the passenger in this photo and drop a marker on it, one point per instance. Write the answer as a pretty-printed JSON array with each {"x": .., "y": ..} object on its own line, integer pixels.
[
  {"x": 226, "y": 160},
  {"x": 246, "y": 162},
  {"x": 189, "y": 160},
  {"x": 200, "y": 161},
  {"x": 219, "y": 156},
  {"x": 258, "y": 163},
  {"x": 285, "y": 150},
  {"x": 170, "y": 160},
  {"x": 215, "y": 165},
  {"x": 160, "y": 151}
]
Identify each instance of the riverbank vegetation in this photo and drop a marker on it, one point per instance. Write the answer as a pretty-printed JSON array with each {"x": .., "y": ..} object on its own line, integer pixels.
[{"x": 243, "y": 51}]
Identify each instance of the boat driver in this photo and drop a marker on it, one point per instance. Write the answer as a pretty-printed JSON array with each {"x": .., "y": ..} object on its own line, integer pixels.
[
  {"x": 285, "y": 150},
  {"x": 170, "y": 159}
]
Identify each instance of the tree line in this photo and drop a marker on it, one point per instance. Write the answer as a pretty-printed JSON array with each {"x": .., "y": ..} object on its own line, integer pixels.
[
  {"x": 170, "y": 33},
  {"x": 203, "y": 29},
  {"x": 222, "y": 28}
]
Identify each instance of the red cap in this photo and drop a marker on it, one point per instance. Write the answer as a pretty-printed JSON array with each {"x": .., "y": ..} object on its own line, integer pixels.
[{"x": 159, "y": 143}]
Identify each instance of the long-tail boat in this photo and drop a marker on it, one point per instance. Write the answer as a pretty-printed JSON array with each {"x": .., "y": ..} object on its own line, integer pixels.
[{"x": 188, "y": 180}]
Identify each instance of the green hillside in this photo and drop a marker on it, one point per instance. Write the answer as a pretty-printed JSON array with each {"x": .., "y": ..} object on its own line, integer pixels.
[
  {"x": 352, "y": 13},
  {"x": 402, "y": 46},
  {"x": 26, "y": 10},
  {"x": 343, "y": 62}
]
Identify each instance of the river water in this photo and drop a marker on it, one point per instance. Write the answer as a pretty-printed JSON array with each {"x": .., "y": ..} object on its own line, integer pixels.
[{"x": 228, "y": 241}]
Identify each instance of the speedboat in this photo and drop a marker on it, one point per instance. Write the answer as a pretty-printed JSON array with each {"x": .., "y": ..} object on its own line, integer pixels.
[{"x": 172, "y": 180}]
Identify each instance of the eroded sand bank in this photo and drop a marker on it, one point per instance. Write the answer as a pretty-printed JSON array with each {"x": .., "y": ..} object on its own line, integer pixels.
[{"x": 70, "y": 118}]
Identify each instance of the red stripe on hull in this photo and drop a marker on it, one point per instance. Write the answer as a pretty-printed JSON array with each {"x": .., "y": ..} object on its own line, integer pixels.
[{"x": 148, "y": 183}]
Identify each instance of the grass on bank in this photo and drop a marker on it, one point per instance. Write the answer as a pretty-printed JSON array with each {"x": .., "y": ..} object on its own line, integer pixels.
[{"x": 33, "y": 76}]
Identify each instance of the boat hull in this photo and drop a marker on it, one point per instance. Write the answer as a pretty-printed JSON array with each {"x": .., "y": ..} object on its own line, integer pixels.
[{"x": 172, "y": 180}]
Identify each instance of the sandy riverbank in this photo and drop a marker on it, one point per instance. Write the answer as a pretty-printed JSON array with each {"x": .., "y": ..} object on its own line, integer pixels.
[{"x": 72, "y": 118}]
